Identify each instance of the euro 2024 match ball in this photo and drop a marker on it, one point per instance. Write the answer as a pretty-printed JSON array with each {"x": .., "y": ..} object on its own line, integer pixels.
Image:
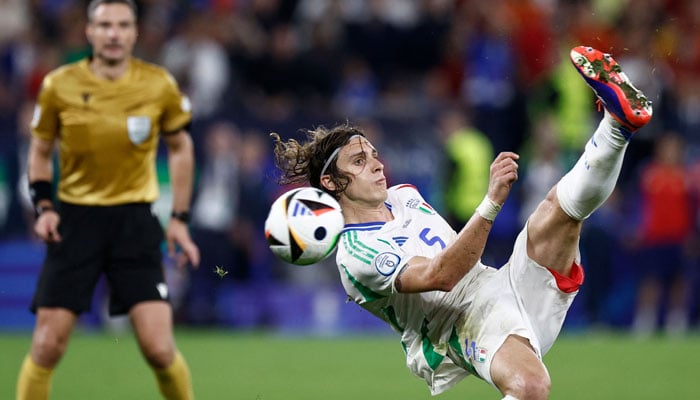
[{"x": 303, "y": 225}]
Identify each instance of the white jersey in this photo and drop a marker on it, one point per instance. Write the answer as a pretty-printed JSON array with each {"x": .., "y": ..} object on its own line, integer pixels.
[{"x": 445, "y": 335}]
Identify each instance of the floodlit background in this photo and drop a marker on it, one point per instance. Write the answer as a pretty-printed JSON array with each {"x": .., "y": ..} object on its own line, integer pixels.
[{"x": 417, "y": 75}]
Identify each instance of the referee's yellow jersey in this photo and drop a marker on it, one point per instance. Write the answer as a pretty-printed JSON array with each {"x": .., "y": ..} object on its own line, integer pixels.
[{"x": 108, "y": 131}]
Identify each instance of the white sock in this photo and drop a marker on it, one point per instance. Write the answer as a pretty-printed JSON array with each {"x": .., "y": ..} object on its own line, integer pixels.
[
  {"x": 589, "y": 183},
  {"x": 676, "y": 322},
  {"x": 644, "y": 323},
  {"x": 509, "y": 397}
]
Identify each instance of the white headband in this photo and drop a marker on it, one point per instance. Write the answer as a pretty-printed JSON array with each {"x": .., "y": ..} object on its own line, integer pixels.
[{"x": 334, "y": 154}]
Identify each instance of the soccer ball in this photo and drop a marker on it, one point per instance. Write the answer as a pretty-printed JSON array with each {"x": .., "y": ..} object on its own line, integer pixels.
[{"x": 303, "y": 226}]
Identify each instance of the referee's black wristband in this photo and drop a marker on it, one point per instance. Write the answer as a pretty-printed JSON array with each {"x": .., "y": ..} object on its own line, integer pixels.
[
  {"x": 183, "y": 216},
  {"x": 40, "y": 190}
]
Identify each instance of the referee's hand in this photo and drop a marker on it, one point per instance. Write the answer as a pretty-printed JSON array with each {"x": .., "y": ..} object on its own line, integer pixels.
[
  {"x": 46, "y": 226},
  {"x": 177, "y": 234}
]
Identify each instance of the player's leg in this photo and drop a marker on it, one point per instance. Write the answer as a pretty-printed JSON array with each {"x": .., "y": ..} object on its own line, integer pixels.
[
  {"x": 49, "y": 342},
  {"x": 518, "y": 372},
  {"x": 153, "y": 325},
  {"x": 554, "y": 227}
]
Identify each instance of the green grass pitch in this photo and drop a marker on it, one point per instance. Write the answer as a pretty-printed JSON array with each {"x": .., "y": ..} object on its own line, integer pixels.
[{"x": 263, "y": 366}]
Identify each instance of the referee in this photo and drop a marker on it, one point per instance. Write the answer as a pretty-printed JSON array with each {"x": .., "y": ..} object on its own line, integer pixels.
[{"x": 106, "y": 115}]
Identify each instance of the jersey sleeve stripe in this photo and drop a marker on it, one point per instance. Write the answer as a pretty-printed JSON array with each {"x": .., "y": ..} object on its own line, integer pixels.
[
  {"x": 358, "y": 249},
  {"x": 368, "y": 294},
  {"x": 386, "y": 242}
]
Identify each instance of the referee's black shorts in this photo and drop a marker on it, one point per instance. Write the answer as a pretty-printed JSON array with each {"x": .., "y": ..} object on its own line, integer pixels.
[{"x": 122, "y": 241}]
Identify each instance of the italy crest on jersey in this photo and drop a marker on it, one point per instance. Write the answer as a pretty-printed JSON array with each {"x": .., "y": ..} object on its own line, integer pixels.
[
  {"x": 139, "y": 127},
  {"x": 421, "y": 205}
]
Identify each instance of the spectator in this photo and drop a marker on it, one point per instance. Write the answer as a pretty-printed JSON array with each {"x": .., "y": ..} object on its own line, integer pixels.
[
  {"x": 199, "y": 62},
  {"x": 468, "y": 154},
  {"x": 666, "y": 223},
  {"x": 215, "y": 215}
]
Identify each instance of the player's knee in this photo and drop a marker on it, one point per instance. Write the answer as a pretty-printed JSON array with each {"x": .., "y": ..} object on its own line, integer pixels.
[{"x": 530, "y": 385}]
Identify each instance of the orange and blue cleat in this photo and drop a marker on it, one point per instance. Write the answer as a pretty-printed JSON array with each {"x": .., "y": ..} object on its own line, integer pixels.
[{"x": 603, "y": 74}]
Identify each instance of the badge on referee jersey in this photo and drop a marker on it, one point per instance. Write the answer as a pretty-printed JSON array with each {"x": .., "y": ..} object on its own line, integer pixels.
[{"x": 139, "y": 127}]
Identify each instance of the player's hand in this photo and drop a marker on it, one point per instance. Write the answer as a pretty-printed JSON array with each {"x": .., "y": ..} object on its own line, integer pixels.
[
  {"x": 503, "y": 173},
  {"x": 177, "y": 234},
  {"x": 46, "y": 226}
]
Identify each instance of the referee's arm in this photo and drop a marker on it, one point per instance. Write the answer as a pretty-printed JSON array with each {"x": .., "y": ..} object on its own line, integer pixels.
[
  {"x": 40, "y": 167},
  {"x": 181, "y": 170},
  {"x": 40, "y": 174}
]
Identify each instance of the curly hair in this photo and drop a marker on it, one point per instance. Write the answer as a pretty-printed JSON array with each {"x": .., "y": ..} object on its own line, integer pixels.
[{"x": 305, "y": 162}]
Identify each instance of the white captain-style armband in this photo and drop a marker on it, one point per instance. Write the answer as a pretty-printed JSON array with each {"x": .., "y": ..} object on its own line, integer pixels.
[{"x": 488, "y": 209}]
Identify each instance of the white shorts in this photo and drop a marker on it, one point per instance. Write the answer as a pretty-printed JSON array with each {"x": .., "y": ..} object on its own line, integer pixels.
[{"x": 521, "y": 298}]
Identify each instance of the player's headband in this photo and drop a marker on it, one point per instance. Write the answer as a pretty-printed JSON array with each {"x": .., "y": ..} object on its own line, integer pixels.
[{"x": 334, "y": 154}]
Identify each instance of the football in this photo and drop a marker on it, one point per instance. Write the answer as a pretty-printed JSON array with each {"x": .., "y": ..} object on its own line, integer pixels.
[{"x": 303, "y": 225}]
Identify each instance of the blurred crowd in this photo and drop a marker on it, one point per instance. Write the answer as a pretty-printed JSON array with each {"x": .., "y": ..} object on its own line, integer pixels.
[{"x": 440, "y": 86}]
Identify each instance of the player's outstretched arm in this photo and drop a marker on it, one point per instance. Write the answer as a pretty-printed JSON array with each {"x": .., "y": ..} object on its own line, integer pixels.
[
  {"x": 447, "y": 268},
  {"x": 503, "y": 174}
]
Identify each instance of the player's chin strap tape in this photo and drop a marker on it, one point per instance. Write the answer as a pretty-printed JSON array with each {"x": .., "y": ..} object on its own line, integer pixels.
[{"x": 40, "y": 190}]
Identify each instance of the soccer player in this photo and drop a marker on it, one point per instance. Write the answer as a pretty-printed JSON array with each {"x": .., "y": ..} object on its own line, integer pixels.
[
  {"x": 401, "y": 261},
  {"x": 107, "y": 114}
]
